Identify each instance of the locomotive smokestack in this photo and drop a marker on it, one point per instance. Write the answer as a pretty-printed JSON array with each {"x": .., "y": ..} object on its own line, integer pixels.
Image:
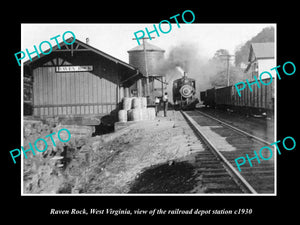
[{"x": 184, "y": 74}]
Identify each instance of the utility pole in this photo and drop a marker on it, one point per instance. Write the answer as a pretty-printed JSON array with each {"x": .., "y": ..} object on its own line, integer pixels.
[
  {"x": 146, "y": 66},
  {"x": 227, "y": 58}
]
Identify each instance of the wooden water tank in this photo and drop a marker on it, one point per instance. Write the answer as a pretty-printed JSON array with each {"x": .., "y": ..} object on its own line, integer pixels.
[{"x": 154, "y": 56}]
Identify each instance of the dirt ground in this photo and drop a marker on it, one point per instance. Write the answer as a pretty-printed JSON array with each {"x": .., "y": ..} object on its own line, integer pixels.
[
  {"x": 110, "y": 163},
  {"x": 132, "y": 150}
]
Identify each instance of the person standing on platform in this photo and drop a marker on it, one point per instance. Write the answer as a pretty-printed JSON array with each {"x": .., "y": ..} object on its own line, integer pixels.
[
  {"x": 156, "y": 105},
  {"x": 165, "y": 102}
]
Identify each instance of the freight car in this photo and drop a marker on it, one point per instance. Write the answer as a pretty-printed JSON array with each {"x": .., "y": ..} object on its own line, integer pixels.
[
  {"x": 208, "y": 97},
  {"x": 184, "y": 90},
  {"x": 258, "y": 102}
]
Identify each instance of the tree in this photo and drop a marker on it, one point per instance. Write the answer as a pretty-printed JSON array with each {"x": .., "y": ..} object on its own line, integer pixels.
[
  {"x": 242, "y": 53},
  {"x": 219, "y": 53},
  {"x": 219, "y": 63}
]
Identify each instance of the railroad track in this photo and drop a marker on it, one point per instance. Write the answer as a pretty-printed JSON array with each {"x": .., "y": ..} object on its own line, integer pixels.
[{"x": 224, "y": 144}]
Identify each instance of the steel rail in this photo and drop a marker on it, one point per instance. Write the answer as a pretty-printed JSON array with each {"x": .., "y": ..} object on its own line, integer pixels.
[
  {"x": 237, "y": 177},
  {"x": 235, "y": 128}
]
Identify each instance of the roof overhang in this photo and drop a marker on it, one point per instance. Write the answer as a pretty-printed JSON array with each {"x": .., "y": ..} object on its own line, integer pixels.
[
  {"x": 129, "y": 73},
  {"x": 79, "y": 46}
]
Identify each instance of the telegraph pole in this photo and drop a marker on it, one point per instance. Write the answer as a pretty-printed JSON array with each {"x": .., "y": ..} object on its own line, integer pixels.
[{"x": 146, "y": 66}]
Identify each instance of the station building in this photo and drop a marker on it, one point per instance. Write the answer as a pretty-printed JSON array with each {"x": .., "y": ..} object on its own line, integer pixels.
[{"x": 76, "y": 81}]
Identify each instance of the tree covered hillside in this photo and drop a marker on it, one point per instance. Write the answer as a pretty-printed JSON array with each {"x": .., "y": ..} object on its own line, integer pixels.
[{"x": 241, "y": 55}]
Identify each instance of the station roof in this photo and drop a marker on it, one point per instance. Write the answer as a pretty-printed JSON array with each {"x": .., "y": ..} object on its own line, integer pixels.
[{"x": 79, "y": 46}]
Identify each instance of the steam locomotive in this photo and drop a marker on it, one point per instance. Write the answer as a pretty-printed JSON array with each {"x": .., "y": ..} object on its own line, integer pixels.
[{"x": 184, "y": 90}]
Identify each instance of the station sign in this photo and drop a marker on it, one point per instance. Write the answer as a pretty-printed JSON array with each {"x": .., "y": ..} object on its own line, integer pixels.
[{"x": 61, "y": 69}]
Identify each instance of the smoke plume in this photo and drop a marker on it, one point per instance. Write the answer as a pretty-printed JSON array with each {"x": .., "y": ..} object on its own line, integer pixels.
[{"x": 187, "y": 57}]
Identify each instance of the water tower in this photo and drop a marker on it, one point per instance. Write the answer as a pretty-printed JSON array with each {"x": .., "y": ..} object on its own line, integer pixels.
[{"x": 146, "y": 57}]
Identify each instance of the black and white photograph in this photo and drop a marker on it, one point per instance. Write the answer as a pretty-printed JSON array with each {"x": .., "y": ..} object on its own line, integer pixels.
[
  {"x": 190, "y": 112},
  {"x": 164, "y": 113}
]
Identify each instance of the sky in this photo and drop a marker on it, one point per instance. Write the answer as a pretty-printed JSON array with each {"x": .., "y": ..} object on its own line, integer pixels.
[{"x": 116, "y": 39}]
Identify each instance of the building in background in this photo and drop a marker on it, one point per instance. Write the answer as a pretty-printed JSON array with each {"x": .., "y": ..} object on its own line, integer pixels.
[{"x": 261, "y": 58}]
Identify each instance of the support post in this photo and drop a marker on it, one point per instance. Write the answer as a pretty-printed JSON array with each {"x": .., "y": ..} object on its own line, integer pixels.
[{"x": 147, "y": 92}]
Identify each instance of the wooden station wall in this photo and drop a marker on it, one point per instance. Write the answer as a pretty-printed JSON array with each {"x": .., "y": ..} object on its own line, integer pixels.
[{"x": 74, "y": 93}]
